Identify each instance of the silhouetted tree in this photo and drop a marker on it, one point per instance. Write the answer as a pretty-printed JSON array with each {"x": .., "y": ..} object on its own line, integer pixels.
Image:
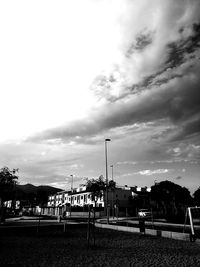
[
  {"x": 41, "y": 196},
  {"x": 197, "y": 197},
  {"x": 171, "y": 198},
  {"x": 7, "y": 185},
  {"x": 111, "y": 185}
]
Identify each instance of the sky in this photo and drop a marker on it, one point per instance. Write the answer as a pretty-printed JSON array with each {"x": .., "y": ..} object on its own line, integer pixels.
[{"x": 73, "y": 73}]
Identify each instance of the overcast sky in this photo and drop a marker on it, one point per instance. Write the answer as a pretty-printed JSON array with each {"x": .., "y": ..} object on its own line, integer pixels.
[{"x": 73, "y": 73}]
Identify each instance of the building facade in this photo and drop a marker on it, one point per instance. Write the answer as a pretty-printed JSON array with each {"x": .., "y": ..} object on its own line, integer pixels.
[{"x": 79, "y": 199}]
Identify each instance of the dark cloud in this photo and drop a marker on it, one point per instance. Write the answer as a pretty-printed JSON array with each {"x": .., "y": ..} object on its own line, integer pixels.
[
  {"x": 179, "y": 178},
  {"x": 177, "y": 51},
  {"x": 141, "y": 41},
  {"x": 184, "y": 49},
  {"x": 187, "y": 131}
]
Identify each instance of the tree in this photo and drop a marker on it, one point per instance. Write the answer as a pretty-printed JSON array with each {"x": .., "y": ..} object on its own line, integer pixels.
[
  {"x": 96, "y": 187},
  {"x": 7, "y": 184},
  {"x": 197, "y": 197},
  {"x": 171, "y": 198},
  {"x": 111, "y": 185}
]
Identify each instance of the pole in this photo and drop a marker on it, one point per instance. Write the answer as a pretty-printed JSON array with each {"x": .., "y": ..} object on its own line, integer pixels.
[
  {"x": 192, "y": 235},
  {"x": 112, "y": 194},
  {"x": 106, "y": 156},
  {"x": 106, "y": 177},
  {"x": 112, "y": 171},
  {"x": 88, "y": 228},
  {"x": 38, "y": 226}
]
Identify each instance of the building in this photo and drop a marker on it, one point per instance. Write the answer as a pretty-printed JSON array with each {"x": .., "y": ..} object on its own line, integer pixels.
[{"x": 80, "y": 198}]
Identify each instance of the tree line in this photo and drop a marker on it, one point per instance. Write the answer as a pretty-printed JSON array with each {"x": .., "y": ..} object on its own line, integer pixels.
[{"x": 167, "y": 200}]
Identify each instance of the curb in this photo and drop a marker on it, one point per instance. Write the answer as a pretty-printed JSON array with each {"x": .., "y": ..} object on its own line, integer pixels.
[{"x": 159, "y": 233}]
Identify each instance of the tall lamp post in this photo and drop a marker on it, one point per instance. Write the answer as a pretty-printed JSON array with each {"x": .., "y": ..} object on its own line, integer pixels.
[{"x": 106, "y": 156}]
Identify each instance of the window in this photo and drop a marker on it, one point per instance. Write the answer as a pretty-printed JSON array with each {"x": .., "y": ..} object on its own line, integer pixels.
[{"x": 85, "y": 198}]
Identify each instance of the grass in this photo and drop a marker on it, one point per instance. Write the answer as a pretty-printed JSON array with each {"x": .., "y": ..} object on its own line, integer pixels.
[{"x": 53, "y": 248}]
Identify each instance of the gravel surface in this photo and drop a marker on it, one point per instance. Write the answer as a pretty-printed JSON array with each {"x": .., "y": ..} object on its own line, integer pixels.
[{"x": 54, "y": 248}]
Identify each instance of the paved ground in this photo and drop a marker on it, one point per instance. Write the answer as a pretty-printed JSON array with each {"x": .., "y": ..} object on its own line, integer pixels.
[{"x": 51, "y": 247}]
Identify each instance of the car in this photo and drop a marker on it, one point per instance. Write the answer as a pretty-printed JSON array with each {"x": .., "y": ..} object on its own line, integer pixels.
[{"x": 144, "y": 213}]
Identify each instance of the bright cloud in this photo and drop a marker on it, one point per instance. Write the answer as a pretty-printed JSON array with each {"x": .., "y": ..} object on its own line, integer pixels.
[{"x": 151, "y": 172}]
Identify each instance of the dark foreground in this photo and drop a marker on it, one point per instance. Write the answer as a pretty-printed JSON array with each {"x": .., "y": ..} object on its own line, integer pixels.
[{"x": 51, "y": 247}]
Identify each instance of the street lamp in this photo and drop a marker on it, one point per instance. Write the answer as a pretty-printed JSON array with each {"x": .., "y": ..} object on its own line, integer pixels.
[
  {"x": 106, "y": 140},
  {"x": 106, "y": 156}
]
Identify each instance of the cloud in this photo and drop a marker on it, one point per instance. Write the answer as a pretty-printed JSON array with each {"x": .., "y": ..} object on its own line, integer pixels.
[
  {"x": 177, "y": 100},
  {"x": 142, "y": 40},
  {"x": 126, "y": 163},
  {"x": 165, "y": 85},
  {"x": 189, "y": 129},
  {"x": 147, "y": 172},
  {"x": 155, "y": 37},
  {"x": 152, "y": 172},
  {"x": 188, "y": 152}
]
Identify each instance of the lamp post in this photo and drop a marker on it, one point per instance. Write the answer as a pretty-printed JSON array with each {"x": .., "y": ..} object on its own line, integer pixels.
[{"x": 106, "y": 156}]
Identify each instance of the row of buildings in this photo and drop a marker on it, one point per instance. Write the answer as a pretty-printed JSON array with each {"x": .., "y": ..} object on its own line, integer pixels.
[{"x": 80, "y": 198}]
